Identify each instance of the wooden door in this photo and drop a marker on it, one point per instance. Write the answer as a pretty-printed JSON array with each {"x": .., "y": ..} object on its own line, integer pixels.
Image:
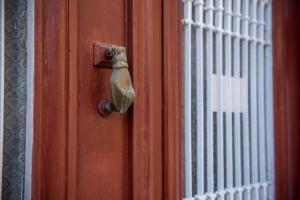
[
  {"x": 286, "y": 48},
  {"x": 101, "y": 144},
  {"x": 77, "y": 153}
]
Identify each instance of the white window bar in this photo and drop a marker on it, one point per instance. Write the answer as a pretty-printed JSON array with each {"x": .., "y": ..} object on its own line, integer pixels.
[
  {"x": 233, "y": 65},
  {"x": 253, "y": 97},
  {"x": 236, "y": 74},
  {"x": 187, "y": 22},
  {"x": 245, "y": 66},
  {"x": 209, "y": 7},
  {"x": 233, "y": 190},
  {"x": 219, "y": 66},
  {"x": 269, "y": 102},
  {"x": 228, "y": 66},
  {"x": 199, "y": 92},
  {"x": 261, "y": 101}
]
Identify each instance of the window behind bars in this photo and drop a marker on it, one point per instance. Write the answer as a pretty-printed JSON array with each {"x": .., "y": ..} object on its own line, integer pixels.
[{"x": 228, "y": 115}]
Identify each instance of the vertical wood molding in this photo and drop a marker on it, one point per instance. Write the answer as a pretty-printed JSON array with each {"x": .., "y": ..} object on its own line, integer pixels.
[
  {"x": 37, "y": 175},
  {"x": 73, "y": 100},
  {"x": 145, "y": 58},
  {"x": 143, "y": 32},
  {"x": 172, "y": 92},
  {"x": 286, "y": 47},
  {"x": 50, "y": 100},
  {"x": 279, "y": 101}
]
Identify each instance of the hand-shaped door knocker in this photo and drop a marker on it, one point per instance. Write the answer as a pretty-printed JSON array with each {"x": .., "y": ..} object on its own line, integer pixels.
[{"x": 121, "y": 90}]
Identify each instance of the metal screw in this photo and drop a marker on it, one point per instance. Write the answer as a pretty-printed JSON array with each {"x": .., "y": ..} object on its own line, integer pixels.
[
  {"x": 109, "y": 53},
  {"x": 105, "y": 107}
]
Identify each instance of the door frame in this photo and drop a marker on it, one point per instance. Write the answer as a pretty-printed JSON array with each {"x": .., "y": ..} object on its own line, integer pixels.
[
  {"x": 54, "y": 153},
  {"x": 173, "y": 100},
  {"x": 286, "y": 62}
]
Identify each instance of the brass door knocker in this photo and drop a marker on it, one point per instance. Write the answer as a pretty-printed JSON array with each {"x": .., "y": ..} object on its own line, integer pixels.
[{"x": 121, "y": 90}]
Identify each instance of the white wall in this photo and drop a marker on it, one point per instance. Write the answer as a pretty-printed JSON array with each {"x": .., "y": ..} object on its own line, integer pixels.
[{"x": 29, "y": 111}]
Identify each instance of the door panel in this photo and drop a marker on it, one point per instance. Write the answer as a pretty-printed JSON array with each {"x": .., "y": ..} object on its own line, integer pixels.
[
  {"x": 118, "y": 157},
  {"x": 77, "y": 153},
  {"x": 101, "y": 141},
  {"x": 50, "y": 100}
]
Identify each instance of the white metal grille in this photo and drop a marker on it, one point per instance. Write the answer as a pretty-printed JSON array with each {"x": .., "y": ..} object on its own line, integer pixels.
[{"x": 228, "y": 115}]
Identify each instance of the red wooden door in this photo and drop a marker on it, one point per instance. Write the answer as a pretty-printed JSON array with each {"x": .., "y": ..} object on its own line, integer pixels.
[
  {"x": 286, "y": 47},
  {"x": 101, "y": 144},
  {"x": 77, "y": 153}
]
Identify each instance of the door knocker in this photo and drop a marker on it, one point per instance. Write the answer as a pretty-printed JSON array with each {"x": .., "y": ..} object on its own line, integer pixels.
[{"x": 121, "y": 90}]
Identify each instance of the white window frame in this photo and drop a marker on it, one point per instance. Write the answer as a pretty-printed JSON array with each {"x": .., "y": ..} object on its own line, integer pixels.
[{"x": 30, "y": 99}]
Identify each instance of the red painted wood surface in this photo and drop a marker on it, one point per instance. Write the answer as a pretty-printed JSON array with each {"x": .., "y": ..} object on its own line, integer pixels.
[
  {"x": 172, "y": 79},
  {"x": 286, "y": 45},
  {"x": 50, "y": 100},
  {"x": 77, "y": 153},
  {"x": 145, "y": 38},
  {"x": 101, "y": 142}
]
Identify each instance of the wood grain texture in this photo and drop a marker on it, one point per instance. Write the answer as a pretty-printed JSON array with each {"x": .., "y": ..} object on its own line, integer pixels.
[
  {"x": 145, "y": 38},
  {"x": 101, "y": 142},
  {"x": 78, "y": 154},
  {"x": 50, "y": 100},
  {"x": 286, "y": 48},
  {"x": 73, "y": 101},
  {"x": 172, "y": 93}
]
